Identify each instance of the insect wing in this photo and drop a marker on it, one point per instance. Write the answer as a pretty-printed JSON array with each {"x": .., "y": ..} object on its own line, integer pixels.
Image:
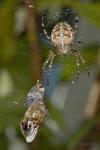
[{"x": 32, "y": 134}]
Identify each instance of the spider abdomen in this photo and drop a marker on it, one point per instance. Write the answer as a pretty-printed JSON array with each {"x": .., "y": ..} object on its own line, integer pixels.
[{"x": 62, "y": 34}]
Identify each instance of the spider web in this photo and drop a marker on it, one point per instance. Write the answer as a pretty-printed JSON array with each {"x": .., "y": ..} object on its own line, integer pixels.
[{"x": 50, "y": 20}]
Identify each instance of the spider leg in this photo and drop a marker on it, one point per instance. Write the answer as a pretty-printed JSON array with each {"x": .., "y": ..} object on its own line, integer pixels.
[
  {"x": 76, "y": 23},
  {"x": 77, "y": 43},
  {"x": 49, "y": 62},
  {"x": 79, "y": 57},
  {"x": 45, "y": 32},
  {"x": 78, "y": 66},
  {"x": 52, "y": 60},
  {"x": 84, "y": 63},
  {"x": 45, "y": 64},
  {"x": 50, "y": 66}
]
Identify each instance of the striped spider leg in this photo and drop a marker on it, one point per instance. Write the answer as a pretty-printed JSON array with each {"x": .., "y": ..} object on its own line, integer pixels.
[
  {"x": 49, "y": 62},
  {"x": 79, "y": 59}
]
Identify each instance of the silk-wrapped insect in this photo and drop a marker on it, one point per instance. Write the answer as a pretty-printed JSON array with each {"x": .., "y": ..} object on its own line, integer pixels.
[{"x": 35, "y": 113}]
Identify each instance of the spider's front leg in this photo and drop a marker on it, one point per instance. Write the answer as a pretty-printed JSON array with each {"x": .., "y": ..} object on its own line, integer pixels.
[
  {"x": 49, "y": 63},
  {"x": 44, "y": 30},
  {"x": 78, "y": 59}
]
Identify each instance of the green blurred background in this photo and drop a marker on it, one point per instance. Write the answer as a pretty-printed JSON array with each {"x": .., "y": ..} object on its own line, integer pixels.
[{"x": 74, "y": 121}]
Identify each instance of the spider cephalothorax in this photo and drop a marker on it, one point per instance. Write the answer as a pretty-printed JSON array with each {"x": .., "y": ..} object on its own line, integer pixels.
[{"x": 62, "y": 37}]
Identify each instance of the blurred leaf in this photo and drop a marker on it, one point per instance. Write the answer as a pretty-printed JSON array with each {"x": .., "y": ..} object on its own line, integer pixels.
[
  {"x": 82, "y": 133},
  {"x": 3, "y": 141},
  {"x": 7, "y": 37}
]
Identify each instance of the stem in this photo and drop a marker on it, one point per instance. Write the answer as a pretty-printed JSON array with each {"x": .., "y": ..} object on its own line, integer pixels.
[{"x": 33, "y": 38}]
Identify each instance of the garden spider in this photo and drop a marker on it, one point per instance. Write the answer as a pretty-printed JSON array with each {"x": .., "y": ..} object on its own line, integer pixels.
[{"x": 62, "y": 37}]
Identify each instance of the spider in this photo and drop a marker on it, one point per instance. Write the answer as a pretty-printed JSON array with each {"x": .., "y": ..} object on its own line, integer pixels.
[{"x": 62, "y": 37}]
